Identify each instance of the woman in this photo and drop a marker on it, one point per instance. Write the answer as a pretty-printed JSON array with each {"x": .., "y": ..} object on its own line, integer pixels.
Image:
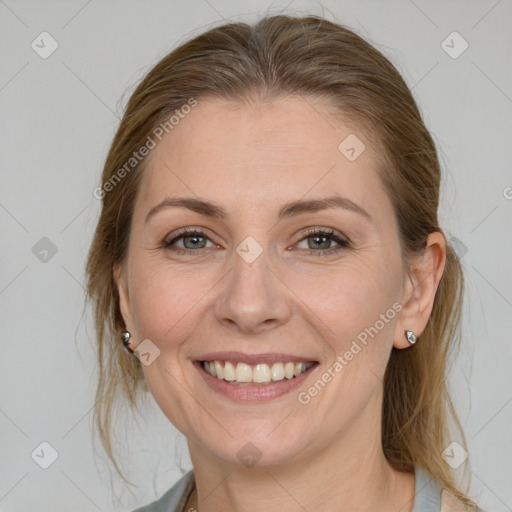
[{"x": 269, "y": 249}]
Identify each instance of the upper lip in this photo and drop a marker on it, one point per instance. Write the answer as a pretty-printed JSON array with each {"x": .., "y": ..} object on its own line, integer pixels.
[{"x": 252, "y": 359}]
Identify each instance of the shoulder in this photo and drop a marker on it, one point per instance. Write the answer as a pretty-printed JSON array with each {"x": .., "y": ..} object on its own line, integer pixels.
[
  {"x": 450, "y": 503},
  {"x": 430, "y": 495},
  {"x": 175, "y": 499}
]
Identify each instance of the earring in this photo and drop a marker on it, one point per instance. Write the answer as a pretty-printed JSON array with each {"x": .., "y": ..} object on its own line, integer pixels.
[
  {"x": 411, "y": 337},
  {"x": 125, "y": 336}
]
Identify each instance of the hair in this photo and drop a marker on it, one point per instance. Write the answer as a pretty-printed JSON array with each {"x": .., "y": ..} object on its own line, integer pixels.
[{"x": 276, "y": 57}]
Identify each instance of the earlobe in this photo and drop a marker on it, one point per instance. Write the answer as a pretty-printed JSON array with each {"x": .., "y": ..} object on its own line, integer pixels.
[
  {"x": 423, "y": 280},
  {"x": 124, "y": 296}
]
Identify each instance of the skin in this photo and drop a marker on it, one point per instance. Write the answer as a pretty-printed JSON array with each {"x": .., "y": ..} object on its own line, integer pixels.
[{"x": 324, "y": 455}]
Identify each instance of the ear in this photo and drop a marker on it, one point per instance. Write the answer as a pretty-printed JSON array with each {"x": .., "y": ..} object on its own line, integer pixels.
[
  {"x": 121, "y": 281},
  {"x": 418, "y": 295}
]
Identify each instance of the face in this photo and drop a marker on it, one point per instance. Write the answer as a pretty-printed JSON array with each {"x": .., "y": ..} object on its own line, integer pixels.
[{"x": 262, "y": 290}]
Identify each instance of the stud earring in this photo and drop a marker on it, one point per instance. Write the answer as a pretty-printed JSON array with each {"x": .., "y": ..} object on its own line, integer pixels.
[
  {"x": 125, "y": 336},
  {"x": 411, "y": 337}
]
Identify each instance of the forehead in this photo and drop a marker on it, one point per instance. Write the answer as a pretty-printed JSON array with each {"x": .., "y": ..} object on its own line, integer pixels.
[{"x": 260, "y": 153}]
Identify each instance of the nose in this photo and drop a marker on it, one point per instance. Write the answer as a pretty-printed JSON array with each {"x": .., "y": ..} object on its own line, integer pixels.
[{"x": 253, "y": 298}]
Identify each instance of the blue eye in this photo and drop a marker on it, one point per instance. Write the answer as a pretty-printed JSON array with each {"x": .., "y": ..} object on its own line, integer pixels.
[
  {"x": 320, "y": 237},
  {"x": 194, "y": 240}
]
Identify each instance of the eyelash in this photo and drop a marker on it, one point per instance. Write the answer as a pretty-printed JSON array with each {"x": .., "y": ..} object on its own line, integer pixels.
[{"x": 329, "y": 233}]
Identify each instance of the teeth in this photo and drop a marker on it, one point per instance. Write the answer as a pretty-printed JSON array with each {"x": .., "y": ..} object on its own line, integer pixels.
[
  {"x": 299, "y": 368},
  {"x": 289, "y": 370},
  {"x": 261, "y": 373},
  {"x": 219, "y": 372},
  {"x": 243, "y": 373},
  {"x": 277, "y": 371},
  {"x": 228, "y": 371}
]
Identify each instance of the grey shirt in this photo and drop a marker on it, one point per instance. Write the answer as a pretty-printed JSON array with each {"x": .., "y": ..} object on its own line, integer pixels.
[{"x": 427, "y": 495}]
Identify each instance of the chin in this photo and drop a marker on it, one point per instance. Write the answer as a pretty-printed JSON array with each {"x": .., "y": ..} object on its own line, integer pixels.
[{"x": 256, "y": 448}]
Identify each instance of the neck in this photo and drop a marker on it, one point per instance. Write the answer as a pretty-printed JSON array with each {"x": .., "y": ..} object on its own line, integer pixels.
[{"x": 349, "y": 474}]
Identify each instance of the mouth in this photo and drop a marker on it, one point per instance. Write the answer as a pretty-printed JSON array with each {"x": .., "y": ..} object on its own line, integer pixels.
[
  {"x": 247, "y": 378},
  {"x": 260, "y": 374}
]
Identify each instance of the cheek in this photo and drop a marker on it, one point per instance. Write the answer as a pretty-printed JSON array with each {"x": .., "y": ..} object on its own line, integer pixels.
[
  {"x": 353, "y": 309},
  {"x": 163, "y": 299},
  {"x": 350, "y": 296}
]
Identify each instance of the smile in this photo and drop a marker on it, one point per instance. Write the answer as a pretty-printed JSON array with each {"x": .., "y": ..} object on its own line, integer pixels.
[{"x": 242, "y": 374}]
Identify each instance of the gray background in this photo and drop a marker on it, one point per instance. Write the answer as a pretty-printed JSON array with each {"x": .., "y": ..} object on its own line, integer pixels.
[{"x": 58, "y": 116}]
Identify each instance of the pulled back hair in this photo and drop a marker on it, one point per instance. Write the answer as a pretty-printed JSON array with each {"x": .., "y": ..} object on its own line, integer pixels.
[{"x": 276, "y": 57}]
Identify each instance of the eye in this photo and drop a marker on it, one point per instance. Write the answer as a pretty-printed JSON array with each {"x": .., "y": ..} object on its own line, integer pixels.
[
  {"x": 323, "y": 239},
  {"x": 193, "y": 240}
]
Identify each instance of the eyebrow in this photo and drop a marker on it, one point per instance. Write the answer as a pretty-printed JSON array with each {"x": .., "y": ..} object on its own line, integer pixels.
[{"x": 289, "y": 209}]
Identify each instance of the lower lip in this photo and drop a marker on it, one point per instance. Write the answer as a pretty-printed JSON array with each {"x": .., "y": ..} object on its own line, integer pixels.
[{"x": 256, "y": 393}]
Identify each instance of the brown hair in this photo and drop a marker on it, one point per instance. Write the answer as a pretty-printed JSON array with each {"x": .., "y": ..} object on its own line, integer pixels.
[{"x": 284, "y": 55}]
